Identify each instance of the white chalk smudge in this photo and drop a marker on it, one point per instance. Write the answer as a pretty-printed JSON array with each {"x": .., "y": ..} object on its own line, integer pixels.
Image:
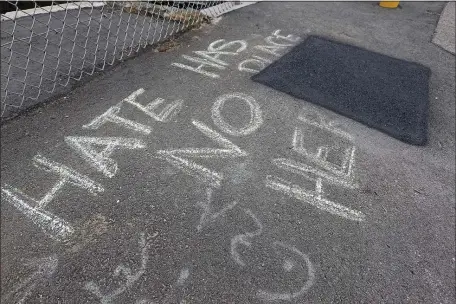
[
  {"x": 183, "y": 276},
  {"x": 144, "y": 301},
  {"x": 288, "y": 265}
]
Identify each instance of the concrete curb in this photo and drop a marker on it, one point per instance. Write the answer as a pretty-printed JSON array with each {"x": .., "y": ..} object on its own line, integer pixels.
[
  {"x": 444, "y": 35},
  {"x": 47, "y": 9}
]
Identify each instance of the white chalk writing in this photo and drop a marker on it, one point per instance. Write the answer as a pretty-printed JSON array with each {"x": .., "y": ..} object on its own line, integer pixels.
[
  {"x": 255, "y": 114},
  {"x": 33, "y": 209},
  {"x": 211, "y": 57},
  {"x": 313, "y": 198},
  {"x": 130, "y": 277},
  {"x": 272, "y": 47},
  {"x": 166, "y": 114},
  {"x": 245, "y": 238},
  {"x": 100, "y": 160},
  {"x": 207, "y": 176},
  {"x": 208, "y": 215},
  {"x": 45, "y": 267},
  {"x": 111, "y": 115},
  {"x": 325, "y": 171},
  {"x": 288, "y": 266}
]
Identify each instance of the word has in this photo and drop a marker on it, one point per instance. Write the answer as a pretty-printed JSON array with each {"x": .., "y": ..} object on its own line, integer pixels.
[{"x": 214, "y": 59}]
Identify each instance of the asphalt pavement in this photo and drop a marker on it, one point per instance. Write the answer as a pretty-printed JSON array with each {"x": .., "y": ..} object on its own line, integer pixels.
[{"x": 174, "y": 178}]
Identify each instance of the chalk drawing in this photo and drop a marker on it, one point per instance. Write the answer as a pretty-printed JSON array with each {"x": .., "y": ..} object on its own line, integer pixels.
[
  {"x": 216, "y": 52},
  {"x": 53, "y": 226},
  {"x": 183, "y": 276},
  {"x": 144, "y": 301},
  {"x": 291, "y": 37},
  {"x": 67, "y": 175},
  {"x": 214, "y": 56},
  {"x": 199, "y": 69},
  {"x": 325, "y": 171},
  {"x": 45, "y": 268},
  {"x": 345, "y": 169},
  {"x": 273, "y": 47},
  {"x": 275, "y": 50},
  {"x": 280, "y": 46},
  {"x": 288, "y": 296},
  {"x": 249, "y": 65},
  {"x": 306, "y": 170},
  {"x": 347, "y": 165},
  {"x": 33, "y": 209},
  {"x": 276, "y": 35},
  {"x": 288, "y": 265},
  {"x": 84, "y": 146},
  {"x": 313, "y": 198},
  {"x": 133, "y": 96},
  {"x": 266, "y": 60},
  {"x": 256, "y": 119},
  {"x": 166, "y": 114},
  {"x": 211, "y": 57},
  {"x": 205, "y": 175},
  {"x": 208, "y": 215},
  {"x": 244, "y": 239},
  {"x": 111, "y": 116},
  {"x": 172, "y": 296},
  {"x": 242, "y": 46},
  {"x": 130, "y": 277},
  {"x": 319, "y": 121}
]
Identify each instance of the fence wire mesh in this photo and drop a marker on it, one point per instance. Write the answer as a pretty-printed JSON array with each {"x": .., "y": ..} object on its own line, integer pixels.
[{"x": 45, "y": 48}]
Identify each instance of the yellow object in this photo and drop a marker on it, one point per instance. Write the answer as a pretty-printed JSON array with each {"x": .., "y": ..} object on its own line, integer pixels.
[{"x": 389, "y": 4}]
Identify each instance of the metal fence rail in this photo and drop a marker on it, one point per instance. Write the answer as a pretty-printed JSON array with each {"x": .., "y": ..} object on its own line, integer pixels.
[{"x": 45, "y": 48}]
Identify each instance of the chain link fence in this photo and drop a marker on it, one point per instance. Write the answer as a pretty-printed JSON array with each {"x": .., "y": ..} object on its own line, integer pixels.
[{"x": 52, "y": 44}]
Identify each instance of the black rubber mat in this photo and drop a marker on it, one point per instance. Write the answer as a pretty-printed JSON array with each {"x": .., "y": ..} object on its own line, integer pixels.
[{"x": 385, "y": 93}]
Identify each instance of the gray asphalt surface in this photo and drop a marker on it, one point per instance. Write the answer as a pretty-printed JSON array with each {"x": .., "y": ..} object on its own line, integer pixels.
[{"x": 144, "y": 239}]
